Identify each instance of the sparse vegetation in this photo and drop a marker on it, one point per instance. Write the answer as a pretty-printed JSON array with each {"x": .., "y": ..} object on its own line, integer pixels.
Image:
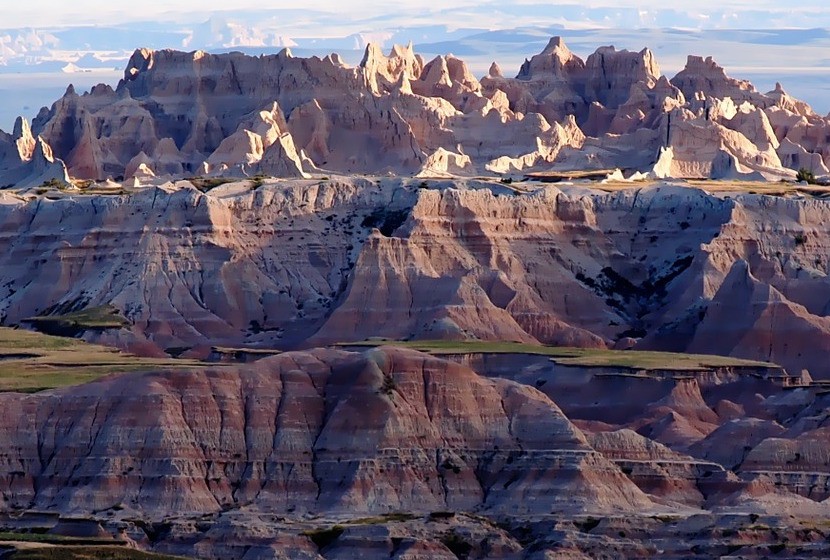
[
  {"x": 389, "y": 385},
  {"x": 387, "y": 221},
  {"x": 82, "y": 183},
  {"x": 205, "y": 184},
  {"x": 44, "y": 546},
  {"x": 395, "y": 517},
  {"x": 257, "y": 181},
  {"x": 31, "y": 361},
  {"x": 573, "y": 175},
  {"x": 97, "y": 318},
  {"x": 85, "y": 553},
  {"x": 806, "y": 176},
  {"x": 588, "y": 524},
  {"x": 457, "y": 544},
  {"x": 587, "y": 357},
  {"x": 46, "y": 538},
  {"x": 448, "y": 465},
  {"x": 51, "y": 184}
]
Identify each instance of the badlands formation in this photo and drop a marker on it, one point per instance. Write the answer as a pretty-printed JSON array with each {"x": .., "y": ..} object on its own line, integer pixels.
[
  {"x": 195, "y": 113},
  {"x": 220, "y": 206}
]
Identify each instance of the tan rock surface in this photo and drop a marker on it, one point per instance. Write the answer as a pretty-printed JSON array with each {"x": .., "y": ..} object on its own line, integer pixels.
[
  {"x": 346, "y": 259},
  {"x": 393, "y": 112},
  {"x": 326, "y": 431}
]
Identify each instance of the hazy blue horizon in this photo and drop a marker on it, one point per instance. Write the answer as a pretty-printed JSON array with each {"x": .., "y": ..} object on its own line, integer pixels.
[
  {"x": 758, "y": 40},
  {"x": 703, "y": 14}
]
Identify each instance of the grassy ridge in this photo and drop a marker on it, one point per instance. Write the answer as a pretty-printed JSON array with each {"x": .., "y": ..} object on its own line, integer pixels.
[
  {"x": 84, "y": 553},
  {"x": 92, "y": 318},
  {"x": 587, "y": 357},
  {"x": 32, "y": 361}
]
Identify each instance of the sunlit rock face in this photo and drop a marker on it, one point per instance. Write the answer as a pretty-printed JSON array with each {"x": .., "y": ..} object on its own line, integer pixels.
[
  {"x": 180, "y": 114},
  {"x": 293, "y": 263}
]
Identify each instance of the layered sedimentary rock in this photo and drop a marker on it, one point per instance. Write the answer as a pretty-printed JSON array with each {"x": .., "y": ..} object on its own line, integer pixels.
[
  {"x": 325, "y": 431},
  {"x": 390, "y": 453},
  {"x": 177, "y": 113},
  {"x": 27, "y": 162},
  {"x": 299, "y": 262}
]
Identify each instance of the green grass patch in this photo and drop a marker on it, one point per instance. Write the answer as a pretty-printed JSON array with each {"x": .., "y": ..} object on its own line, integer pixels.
[
  {"x": 397, "y": 517},
  {"x": 85, "y": 553},
  {"x": 46, "y": 538},
  {"x": 251, "y": 351},
  {"x": 16, "y": 340},
  {"x": 585, "y": 357},
  {"x": 205, "y": 184},
  {"x": 92, "y": 318},
  {"x": 31, "y": 361}
]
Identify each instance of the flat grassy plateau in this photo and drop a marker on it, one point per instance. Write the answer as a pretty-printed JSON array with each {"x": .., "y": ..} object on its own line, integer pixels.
[
  {"x": 31, "y": 361},
  {"x": 586, "y": 357}
]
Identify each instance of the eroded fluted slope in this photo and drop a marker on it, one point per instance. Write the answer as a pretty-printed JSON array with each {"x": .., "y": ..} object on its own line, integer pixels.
[
  {"x": 304, "y": 262},
  {"x": 323, "y": 431},
  {"x": 181, "y": 114}
]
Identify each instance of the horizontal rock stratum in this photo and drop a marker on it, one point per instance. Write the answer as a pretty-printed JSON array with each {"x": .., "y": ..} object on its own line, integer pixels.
[
  {"x": 324, "y": 431},
  {"x": 301, "y": 209},
  {"x": 177, "y": 113},
  {"x": 328, "y": 454},
  {"x": 296, "y": 263}
]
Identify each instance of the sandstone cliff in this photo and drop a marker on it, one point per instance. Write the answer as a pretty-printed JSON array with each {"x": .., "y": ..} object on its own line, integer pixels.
[
  {"x": 299, "y": 262},
  {"x": 324, "y": 431},
  {"x": 390, "y": 453},
  {"x": 177, "y": 113}
]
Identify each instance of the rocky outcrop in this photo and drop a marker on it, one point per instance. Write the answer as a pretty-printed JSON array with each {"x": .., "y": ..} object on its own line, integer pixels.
[
  {"x": 391, "y": 453},
  {"x": 261, "y": 146},
  {"x": 706, "y": 77},
  {"x": 27, "y": 162},
  {"x": 186, "y": 114},
  {"x": 295, "y": 262},
  {"x": 326, "y": 432}
]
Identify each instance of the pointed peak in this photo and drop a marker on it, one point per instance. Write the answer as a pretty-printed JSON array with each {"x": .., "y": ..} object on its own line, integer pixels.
[
  {"x": 70, "y": 91},
  {"x": 21, "y": 128},
  {"x": 495, "y": 71},
  {"x": 554, "y": 44},
  {"x": 403, "y": 85},
  {"x": 663, "y": 82},
  {"x": 101, "y": 89},
  {"x": 371, "y": 54},
  {"x": 285, "y": 53},
  {"x": 42, "y": 151},
  {"x": 401, "y": 51},
  {"x": 140, "y": 61}
]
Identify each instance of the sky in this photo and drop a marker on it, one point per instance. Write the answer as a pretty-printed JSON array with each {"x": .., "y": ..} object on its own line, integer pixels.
[
  {"x": 761, "y": 40},
  {"x": 39, "y": 13}
]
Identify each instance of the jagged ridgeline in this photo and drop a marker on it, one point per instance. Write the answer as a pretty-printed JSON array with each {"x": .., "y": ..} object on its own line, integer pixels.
[
  {"x": 177, "y": 113},
  {"x": 438, "y": 362}
]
